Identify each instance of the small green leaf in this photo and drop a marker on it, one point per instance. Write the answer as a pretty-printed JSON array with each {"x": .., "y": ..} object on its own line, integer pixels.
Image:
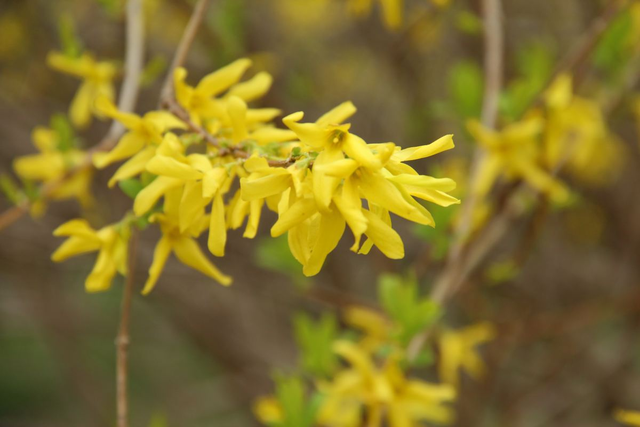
[
  {"x": 468, "y": 22},
  {"x": 71, "y": 45},
  {"x": 315, "y": 339},
  {"x": 466, "y": 86},
  {"x": 131, "y": 187},
  {"x": 10, "y": 189},
  {"x": 61, "y": 125}
]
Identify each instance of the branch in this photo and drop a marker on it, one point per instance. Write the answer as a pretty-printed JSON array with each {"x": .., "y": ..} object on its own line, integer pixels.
[
  {"x": 123, "y": 339},
  {"x": 166, "y": 94}
]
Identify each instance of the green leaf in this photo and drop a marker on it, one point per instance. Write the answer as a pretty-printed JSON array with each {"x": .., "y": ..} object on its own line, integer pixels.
[
  {"x": 314, "y": 340},
  {"x": 131, "y": 187},
  {"x": 70, "y": 43},
  {"x": 61, "y": 125},
  {"x": 297, "y": 409},
  {"x": 468, "y": 22},
  {"x": 466, "y": 86},
  {"x": 10, "y": 189},
  {"x": 410, "y": 313}
]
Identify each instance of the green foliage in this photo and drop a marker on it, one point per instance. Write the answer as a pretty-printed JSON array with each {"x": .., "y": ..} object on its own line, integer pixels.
[
  {"x": 468, "y": 22},
  {"x": 466, "y": 86},
  {"x": 534, "y": 65},
  {"x": 131, "y": 187},
  {"x": 61, "y": 125},
  {"x": 410, "y": 312},
  {"x": 314, "y": 339},
  {"x": 70, "y": 43},
  {"x": 297, "y": 409},
  {"x": 10, "y": 189},
  {"x": 613, "y": 50},
  {"x": 501, "y": 271}
]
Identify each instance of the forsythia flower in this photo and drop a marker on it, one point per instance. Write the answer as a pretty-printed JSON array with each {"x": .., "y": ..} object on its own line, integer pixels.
[
  {"x": 139, "y": 143},
  {"x": 381, "y": 393},
  {"x": 515, "y": 153},
  {"x": 576, "y": 134},
  {"x": 51, "y": 165},
  {"x": 630, "y": 418},
  {"x": 203, "y": 106},
  {"x": 181, "y": 243},
  {"x": 315, "y": 205},
  {"x": 458, "y": 351},
  {"x": 110, "y": 242},
  {"x": 97, "y": 80},
  {"x": 376, "y": 328},
  {"x": 391, "y": 11}
]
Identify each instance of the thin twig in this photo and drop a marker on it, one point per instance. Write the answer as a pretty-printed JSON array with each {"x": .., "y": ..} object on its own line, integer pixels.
[
  {"x": 123, "y": 338},
  {"x": 166, "y": 94}
]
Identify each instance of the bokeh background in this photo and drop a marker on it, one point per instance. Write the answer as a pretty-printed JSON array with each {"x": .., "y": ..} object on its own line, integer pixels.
[{"x": 567, "y": 348}]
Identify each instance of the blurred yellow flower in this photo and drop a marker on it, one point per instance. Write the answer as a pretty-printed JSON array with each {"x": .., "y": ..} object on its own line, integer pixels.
[
  {"x": 458, "y": 352},
  {"x": 630, "y": 418},
  {"x": 379, "y": 394},
  {"x": 51, "y": 165},
  {"x": 110, "y": 242},
  {"x": 376, "y": 327},
  {"x": 514, "y": 152},
  {"x": 97, "y": 80},
  {"x": 577, "y": 137}
]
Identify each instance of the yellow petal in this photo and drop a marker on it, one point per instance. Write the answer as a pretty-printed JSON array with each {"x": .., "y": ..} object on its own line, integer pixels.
[
  {"x": 190, "y": 254},
  {"x": 217, "y": 227},
  {"x": 160, "y": 255},
  {"x": 331, "y": 229},
  {"x": 238, "y": 115},
  {"x": 260, "y": 188},
  {"x": 298, "y": 212},
  {"x": 355, "y": 356},
  {"x": 268, "y": 410},
  {"x": 212, "y": 181},
  {"x": 102, "y": 274},
  {"x": 134, "y": 166},
  {"x": 356, "y": 148},
  {"x": 150, "y": 195},
  {"x": 164, "y": 121},
  {"x": 82, "y": 105},
  {"x": 40, "y": 167},
  {"x": 222, "y": 79},
  {"x": 168, "y": 166},
  {"x": 107, "y": 108},
  {"x": 79, "y": 67},
  {"x": 75, "y": 246},
  {"x": 338, "y": 114},
  {"x": 255, "y": 209},
  {"x": 384, "y": 236},
  {"x": 44, "y": 139},
  {"x": 414, "y": 153},
  {"x": 192, "y": 205},
  {"x": 631, "y": 418},
  {"x": 253, "y": 88},
  {"x": 350, "y": 207},
  {"x": 75, "y": 227},
  {"x": 130, "y": 144},
  {"x": 311, "y": 134}
]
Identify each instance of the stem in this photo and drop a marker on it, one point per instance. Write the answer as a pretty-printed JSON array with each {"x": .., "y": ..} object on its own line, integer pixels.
[
  {"x": 180, "y": 56},
  {"x": 123, "y": 340}
]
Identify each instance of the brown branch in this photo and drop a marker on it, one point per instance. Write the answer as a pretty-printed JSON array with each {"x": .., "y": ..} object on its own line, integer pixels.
[
  {"x": 123, "y": 338},
  {"x": 166, "y": 93}
]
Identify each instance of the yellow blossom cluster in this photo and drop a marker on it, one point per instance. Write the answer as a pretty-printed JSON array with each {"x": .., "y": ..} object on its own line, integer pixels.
[
  {"x": 317, "y": 176},
  {"x": 374, "y": 385}
]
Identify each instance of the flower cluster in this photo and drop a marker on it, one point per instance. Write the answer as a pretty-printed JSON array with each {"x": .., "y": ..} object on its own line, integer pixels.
[
  {"x": 184, "y": 163},
  {"x": 374, "y": 384}
]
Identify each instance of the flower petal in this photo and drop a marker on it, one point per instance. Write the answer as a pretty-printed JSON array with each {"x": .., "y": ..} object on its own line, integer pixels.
[{"x": 190, "y": 254}]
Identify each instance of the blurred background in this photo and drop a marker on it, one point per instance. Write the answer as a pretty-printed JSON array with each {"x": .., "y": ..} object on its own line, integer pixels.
[{"x": 568, "y": 322}]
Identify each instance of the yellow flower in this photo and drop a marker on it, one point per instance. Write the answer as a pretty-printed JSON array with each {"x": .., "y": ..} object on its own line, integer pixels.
[
  {"x": 268, "y": 410},
  {"x": 515, "y": 153},
  {"x": 392, "y": 11},
  {"x": 52, "y": 164},
  {"x": 181, "y": 243},
  {"x": 380, "y": 393},
  {"x": 204, "y": 107},
  {"x": 631, "y": 418},
  {"x": 97, "y": 81},
  {"x": 376, "y": 327},
  {"x": 458, "y": 351},
  {"x": 577, "y": 136},
  {"x": 110, "y": 242},
  {"x": 314, "y": 207},
  {"x": 139, "y": 143}
]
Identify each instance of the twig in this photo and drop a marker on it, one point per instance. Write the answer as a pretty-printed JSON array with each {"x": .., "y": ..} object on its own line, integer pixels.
[
  {"x": 123, "y": 339},
  {"x": 166, "y": 93}
]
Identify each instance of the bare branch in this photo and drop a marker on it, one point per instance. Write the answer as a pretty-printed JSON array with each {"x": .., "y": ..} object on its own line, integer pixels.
[{"x": 180, "y": 56}]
